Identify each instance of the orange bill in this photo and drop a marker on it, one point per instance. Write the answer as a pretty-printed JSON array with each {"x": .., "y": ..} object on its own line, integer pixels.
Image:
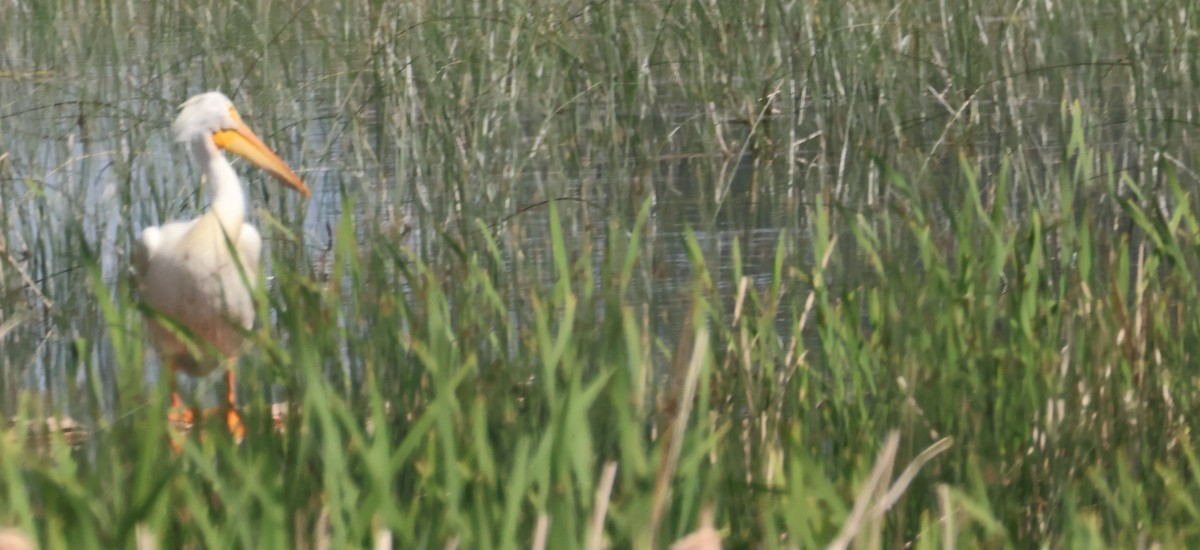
[{"x": 242, "y": 141}]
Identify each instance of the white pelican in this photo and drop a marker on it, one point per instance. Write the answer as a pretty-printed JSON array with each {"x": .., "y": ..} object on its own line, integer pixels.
[{"x": 186, "y": 270}]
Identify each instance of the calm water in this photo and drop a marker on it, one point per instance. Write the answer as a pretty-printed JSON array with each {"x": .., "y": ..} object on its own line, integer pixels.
[
  {"x": 65, "y": 180},
  {"x": 86, "y": 159}
]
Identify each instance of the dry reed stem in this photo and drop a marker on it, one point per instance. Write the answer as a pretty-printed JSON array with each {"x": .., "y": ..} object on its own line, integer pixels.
[
  {"x": 540, "y": 532},
  {"x": 11, "y": 539},
  {"x": 857, "y": 519},
  {"x": 666, "y": 472},
  {"x": 705, "y": 537},
  {"x": 144, "y": 538},
  {"x": 383, "y": 539},
  {"x": 600, "y": 508},
  {"x": 874, "y": 490}
]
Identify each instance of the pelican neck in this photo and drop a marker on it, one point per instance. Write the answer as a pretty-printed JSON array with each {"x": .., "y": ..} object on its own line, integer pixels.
[{"x": 228, "y": 199}]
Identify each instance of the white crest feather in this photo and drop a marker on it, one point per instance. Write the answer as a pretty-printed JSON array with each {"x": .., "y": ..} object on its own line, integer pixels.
[{"x": 203, "y": 114}]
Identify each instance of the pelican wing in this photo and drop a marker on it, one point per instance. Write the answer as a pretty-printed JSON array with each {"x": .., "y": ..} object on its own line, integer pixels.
[
  {"x": 186, "y": 273},
  {"x": 249, "y": 249},
  {"x": 152, "y": 240}
]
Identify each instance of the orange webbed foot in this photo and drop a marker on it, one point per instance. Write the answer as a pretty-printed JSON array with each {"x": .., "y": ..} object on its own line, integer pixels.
[
  {"x": 236, "y": 427},
  {"x": 180, "y": 420}
]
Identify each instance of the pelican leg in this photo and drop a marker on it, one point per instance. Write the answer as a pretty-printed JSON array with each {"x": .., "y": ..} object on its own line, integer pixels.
[
  {"x": 179, "y": 417},
  {"x": 232, "y": 419},
  {"x": 178, "y": 414}
]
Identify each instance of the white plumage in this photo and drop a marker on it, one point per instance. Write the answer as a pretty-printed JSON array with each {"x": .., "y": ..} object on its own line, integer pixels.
[
  {"x": 187, "y": 271},
  {"x": 187, "y": 274}
]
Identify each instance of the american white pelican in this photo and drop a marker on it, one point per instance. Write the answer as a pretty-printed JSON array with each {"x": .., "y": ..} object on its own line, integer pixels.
[{"x": 187, "y": 271}]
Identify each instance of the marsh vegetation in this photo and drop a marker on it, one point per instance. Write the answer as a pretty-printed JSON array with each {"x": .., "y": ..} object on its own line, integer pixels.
[{"x": 576, "y": 272}]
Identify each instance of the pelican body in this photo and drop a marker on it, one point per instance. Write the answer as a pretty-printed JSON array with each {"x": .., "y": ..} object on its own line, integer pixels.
[{"x": 200, "y": 274}]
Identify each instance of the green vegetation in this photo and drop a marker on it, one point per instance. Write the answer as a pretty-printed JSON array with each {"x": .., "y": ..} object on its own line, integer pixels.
[{"x": 576, "y": 272}]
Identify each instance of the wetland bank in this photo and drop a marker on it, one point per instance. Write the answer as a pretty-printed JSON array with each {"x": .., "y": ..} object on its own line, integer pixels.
[{"x": 578, "y": 274}]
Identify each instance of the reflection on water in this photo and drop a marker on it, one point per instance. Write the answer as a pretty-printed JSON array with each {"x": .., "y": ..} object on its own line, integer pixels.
[
  {"x": 87, "y": 160},
  {"x": 110, "y": 168}
]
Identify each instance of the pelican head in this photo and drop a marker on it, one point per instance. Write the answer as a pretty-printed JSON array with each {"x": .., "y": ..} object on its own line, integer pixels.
[{"x": 212, "y": 116}]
